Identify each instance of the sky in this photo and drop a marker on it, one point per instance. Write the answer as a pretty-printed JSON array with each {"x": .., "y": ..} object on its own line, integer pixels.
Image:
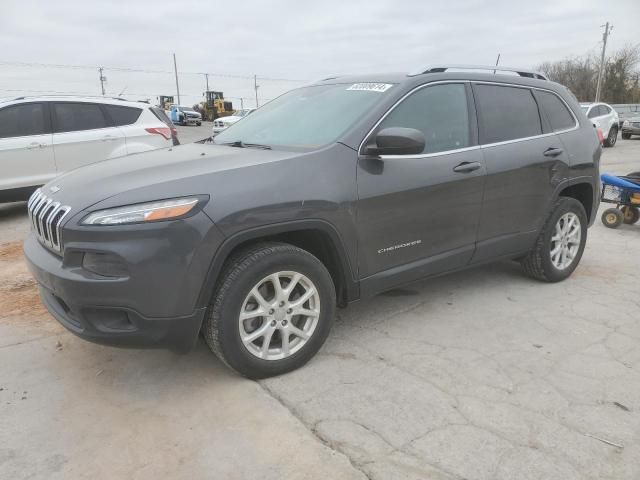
[{"x": 286, "y": 43}]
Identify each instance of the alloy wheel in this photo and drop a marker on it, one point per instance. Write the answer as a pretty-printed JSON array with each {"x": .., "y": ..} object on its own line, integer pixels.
[
  {"x": 565, "y": 242},
  {"x": 279, "y": 315}
]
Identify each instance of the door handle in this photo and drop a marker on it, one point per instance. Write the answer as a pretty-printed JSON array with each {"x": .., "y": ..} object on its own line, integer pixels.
[
  {"x": 466, "y": 167},
  {"x": 34, "y": 145},
  {"x": 108, "y": 138},
  {"x": 553, "y": 152}
]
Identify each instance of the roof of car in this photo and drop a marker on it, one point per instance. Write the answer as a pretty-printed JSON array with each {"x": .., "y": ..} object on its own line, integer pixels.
[{"x": 72, "y": 98}]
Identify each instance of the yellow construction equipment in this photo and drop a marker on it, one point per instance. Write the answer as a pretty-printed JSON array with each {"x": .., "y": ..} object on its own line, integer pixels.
[
  {"x": 165, "y": 102},
  {"x": 215, "y": 106}
]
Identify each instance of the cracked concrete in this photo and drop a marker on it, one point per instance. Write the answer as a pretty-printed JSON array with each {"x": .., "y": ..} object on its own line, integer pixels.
[{"x": 483, "y": 374}]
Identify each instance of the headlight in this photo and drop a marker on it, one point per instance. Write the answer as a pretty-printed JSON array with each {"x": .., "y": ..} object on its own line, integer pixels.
[
  {"x": 142, "y": 212},
  {"x": 626, "y": 122}
]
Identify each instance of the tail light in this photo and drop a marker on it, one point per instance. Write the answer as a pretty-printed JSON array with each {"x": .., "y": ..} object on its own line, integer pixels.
[
  {"x": 166, "y": 132},
  {"x": 600, "y": 135}
]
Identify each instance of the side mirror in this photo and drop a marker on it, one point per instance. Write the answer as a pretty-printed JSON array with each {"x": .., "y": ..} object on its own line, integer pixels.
[{"x": 397, "y": 141}]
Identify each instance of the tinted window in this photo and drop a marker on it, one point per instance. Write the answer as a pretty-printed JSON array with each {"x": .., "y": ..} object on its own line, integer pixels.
[
  {"x": 123, "y": 115},
  {"x": 71, "y": 117},
  {"x": 556, "y": 111},
  {"x": 22, "y": 120},
  {"x": 507, "y": 113},
  {"x": 594, "y": 112},
  {"x": 604, "y": 110},
  {"x": 440, "y": 112}
]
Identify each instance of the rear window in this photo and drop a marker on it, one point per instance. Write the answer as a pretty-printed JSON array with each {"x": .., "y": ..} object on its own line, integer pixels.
[
  {"x": 123, "y": 115},
  {"x": 22, "y": 120},
  {"x": 507, "y": 113},
  {"x": 556, "y": 111},
  {"x": 73, "y": 117}
]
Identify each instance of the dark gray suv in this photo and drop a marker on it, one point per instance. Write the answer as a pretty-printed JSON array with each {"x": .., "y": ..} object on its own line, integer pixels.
[{"x": 331, "y": 193}]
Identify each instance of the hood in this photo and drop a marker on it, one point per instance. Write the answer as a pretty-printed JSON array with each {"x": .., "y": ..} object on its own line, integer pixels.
[{"x": 153, "y": 175}]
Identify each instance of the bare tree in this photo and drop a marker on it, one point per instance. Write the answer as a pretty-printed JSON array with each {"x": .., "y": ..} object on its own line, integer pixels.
[{"x": 580, "y": 74}]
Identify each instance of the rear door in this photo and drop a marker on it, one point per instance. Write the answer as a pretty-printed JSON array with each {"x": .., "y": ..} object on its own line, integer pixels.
[
  {"x": 525, "y": 162},
  {"x": 83, "y": 135},
  {"x": 138, "y": 125},
  {"x": 418, "y": 214},
  {"x": 26, "y": 153}
]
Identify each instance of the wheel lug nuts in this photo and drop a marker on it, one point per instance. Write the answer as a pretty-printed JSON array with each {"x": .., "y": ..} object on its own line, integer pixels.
[
  {"x": 271, "y": 310},
  {"x": 289, "y": 310},
  {"x": 282, "y": 304},
  {"x": 273, "y": 323},
  {"x": 284, "y": 323}
]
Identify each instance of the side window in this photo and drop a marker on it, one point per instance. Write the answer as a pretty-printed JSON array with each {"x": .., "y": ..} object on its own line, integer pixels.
[
  {"x": 604, "y": 110},
  {"x": 556, "y": 111},
  {"x": 22, "y": 120},
  {"x": 122, "y": 115},
  {"x": 594, "y": 112},
  {"x": 440, "y": 112},
  {"x": 507, "y": 113},
  {"x": 73, "y": 117}
]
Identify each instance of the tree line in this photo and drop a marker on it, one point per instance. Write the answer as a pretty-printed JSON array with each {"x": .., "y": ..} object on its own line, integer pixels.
[{"x": 620, "y": 82}]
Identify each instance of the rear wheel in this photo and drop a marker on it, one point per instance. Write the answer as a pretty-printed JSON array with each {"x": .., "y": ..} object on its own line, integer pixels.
[
  {"x": 631, "y": 214},
  {"x": 272, "y": 311},
  {"x": 612, "y": 218},
  {"x": 559, "y": 246},
  {"x": 626, "y": 136},
  {"x": 611, "y": 139}
]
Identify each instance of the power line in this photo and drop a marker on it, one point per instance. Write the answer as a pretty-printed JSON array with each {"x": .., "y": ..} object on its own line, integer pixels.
[{"x": 143, "y": 70}]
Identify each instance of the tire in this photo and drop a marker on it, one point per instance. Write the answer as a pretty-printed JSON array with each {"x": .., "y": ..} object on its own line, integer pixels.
[
  {"x": 612, "y": 138},
  {"x": 626, "y": 136},
  {"x": 198, "y": 123},
  {"x": 612, "y": 218},
  {"x": 538, "y": 262},
  {"x": 630, "y": 214},
  {"x": 245, "y": 273}
]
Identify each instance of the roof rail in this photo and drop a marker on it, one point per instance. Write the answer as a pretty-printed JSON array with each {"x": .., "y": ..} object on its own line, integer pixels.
[
  {"x": 68, "y": 95},
  {"x": 443, "y": 68}
]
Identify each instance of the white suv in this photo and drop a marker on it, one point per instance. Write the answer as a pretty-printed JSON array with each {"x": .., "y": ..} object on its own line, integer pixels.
[
  {"x": 42, "y": 137},
  {"x": 605, "y": 118}
]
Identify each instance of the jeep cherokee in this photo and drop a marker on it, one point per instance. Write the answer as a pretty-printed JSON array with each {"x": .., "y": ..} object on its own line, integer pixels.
[{"x": 331, "y": 193}]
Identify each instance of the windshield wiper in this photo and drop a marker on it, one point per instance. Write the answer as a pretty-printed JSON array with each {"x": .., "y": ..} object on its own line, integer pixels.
[{"x": 241, "y": 144}]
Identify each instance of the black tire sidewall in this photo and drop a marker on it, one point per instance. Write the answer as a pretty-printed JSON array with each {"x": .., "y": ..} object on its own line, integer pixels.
[
  {"x": 636, "y": 215},
  {"x": 608, "y": 142},
  {"x": 234, "y": 351},
  {"x": 566, "y": 205}
]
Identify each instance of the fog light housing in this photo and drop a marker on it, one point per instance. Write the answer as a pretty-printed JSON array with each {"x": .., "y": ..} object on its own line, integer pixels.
[{"x": 104, "y": 264}]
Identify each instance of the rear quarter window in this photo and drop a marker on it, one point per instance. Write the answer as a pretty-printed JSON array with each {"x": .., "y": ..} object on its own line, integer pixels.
[
  {"x": 556, "y": 111},
  {"x": 506, "y": 113},
  {"x": 121, "y": 116}
]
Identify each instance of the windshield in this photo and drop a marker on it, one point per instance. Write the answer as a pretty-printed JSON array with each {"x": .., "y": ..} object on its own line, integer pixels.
[
  {"x": 187, "y": 109},
  {"x": 308, "y": 117},
  {"x": 584, "y": 108},
  {"x": 242, "y": 113}
]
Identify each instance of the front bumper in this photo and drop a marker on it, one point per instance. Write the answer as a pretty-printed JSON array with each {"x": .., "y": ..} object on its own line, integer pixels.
[
  {"x": 630, "y": 129},
  {"x": 153, "y": 305},
  {"x": 219, "y": 129}
]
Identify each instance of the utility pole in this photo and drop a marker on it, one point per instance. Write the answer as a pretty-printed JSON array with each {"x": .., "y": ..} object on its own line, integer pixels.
[
  {"x": 241, "y": 103},
  {"x": 206, "y": 76},
  {"x": 497, "y": 62},
  {"x": 102, "y": 79},
  {"x": 175, "y": 69},
  {"x": 255, "y": 87},
  {"x": 605, "y": 35}
]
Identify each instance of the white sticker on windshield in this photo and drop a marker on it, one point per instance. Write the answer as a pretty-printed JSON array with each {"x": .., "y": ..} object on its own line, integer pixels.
[{"x": 371, "y": 87}]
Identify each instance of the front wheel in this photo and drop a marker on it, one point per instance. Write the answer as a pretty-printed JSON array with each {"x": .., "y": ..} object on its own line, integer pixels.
[
  {"x": 612, "y": 218},
  {"x": 272, "y": 310},
  {"x": 559, "y": 246},
  {"x": 611, "y": 139}
]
